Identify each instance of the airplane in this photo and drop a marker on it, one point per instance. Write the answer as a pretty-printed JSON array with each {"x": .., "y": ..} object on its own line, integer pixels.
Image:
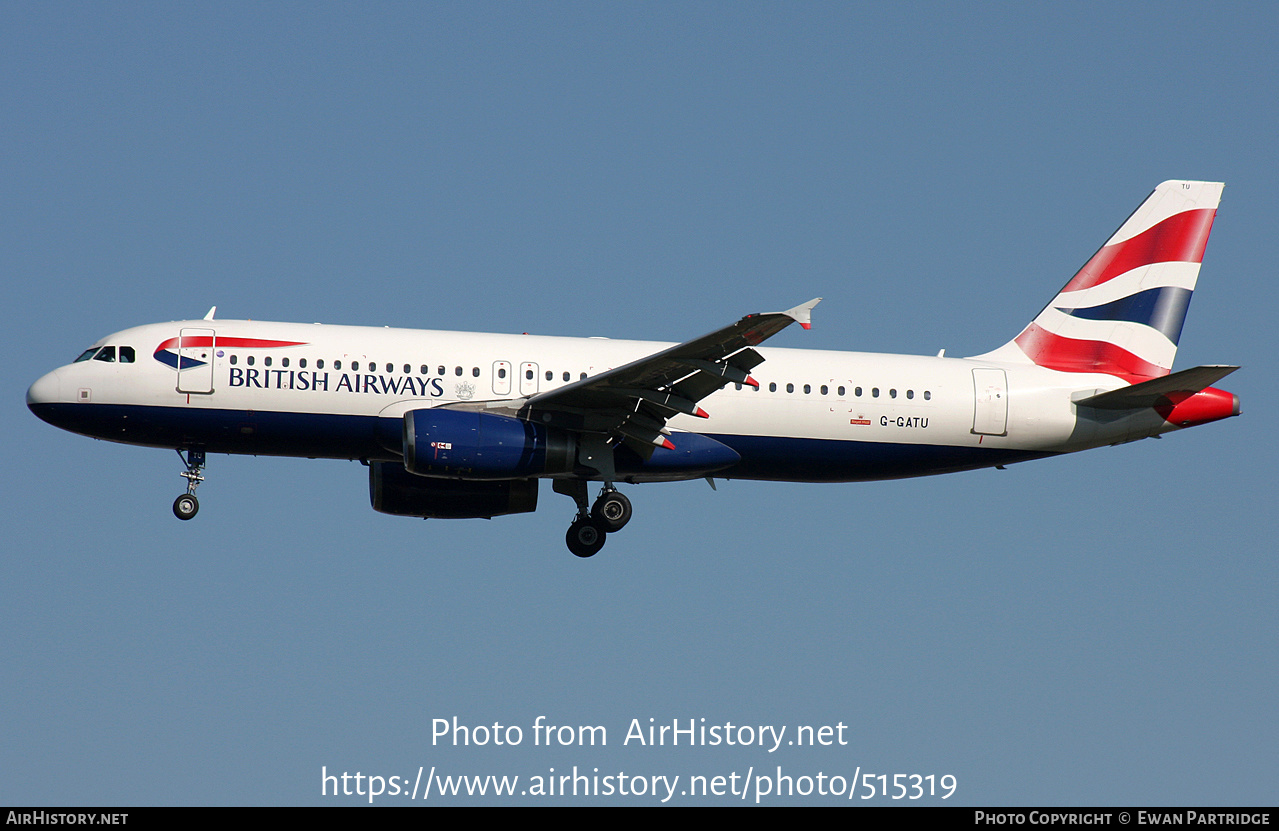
[{"x": 465, "y": 425}]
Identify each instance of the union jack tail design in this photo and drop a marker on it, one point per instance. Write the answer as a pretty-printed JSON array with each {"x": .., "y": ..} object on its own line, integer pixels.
[{"x": 1122, "y": 313}]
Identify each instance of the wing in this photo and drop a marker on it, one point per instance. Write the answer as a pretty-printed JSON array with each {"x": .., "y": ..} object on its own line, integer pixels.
[{"x": 635, "y": 401}]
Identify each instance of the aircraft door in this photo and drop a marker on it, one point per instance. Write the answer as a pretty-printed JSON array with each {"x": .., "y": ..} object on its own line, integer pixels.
[
  {"x": 195, "y": 361},
  {"x": 501, "y": 377},
  {"x": 990, "y": 412},
  {"x": 528, "y": 378}
]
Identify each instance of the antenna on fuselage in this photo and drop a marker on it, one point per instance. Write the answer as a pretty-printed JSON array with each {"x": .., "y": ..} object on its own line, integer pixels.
[{"x": 209, "y": 316}]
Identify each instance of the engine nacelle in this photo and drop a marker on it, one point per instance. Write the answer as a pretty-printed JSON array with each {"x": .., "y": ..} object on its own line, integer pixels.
[
  {"x": 460, "y": 444},
  {"x": 393, "y": 490}
]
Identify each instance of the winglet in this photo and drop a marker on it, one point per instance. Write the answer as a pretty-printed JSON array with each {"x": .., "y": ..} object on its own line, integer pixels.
[{"x": 803, "y": 313}]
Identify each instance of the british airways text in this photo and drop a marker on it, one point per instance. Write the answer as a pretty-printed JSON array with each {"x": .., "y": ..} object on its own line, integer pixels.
[{"x": 291, "y": 379}]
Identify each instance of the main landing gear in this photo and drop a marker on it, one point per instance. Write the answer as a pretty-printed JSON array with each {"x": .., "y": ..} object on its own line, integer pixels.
[
  {"x": 612, "y": 509},
  {"x": 590, "y": 529},
  {"x": 186, "y": 506}
]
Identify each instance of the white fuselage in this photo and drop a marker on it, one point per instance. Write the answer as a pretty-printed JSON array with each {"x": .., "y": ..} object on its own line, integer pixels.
[{"x": 319, "y": 390}]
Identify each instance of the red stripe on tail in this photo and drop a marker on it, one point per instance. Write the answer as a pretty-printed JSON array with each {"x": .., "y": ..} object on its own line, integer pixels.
[
  {"x": 1071, "y": 355},
  {"x": 1180, "y": 238}
]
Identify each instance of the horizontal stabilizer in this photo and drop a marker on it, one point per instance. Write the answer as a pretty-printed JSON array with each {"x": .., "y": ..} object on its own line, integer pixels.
[{"x": 1149, "y": 393}]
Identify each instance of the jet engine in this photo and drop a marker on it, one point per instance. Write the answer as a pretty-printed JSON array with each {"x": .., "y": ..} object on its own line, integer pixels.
[
  {"x": 393, "y": 490},
  {"x": 458, "y": 444}
]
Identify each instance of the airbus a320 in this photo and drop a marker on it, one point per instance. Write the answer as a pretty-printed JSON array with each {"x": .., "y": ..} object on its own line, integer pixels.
[{"x": 465, "y": 425}]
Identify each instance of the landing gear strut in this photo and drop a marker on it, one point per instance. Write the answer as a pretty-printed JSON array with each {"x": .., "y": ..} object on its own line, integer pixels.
[
  {"x": 186, "y": 506},
  {"x": 591, "y": 527}
]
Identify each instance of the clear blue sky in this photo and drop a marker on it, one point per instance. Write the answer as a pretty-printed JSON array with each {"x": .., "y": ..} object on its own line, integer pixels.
[{"x": 1096, "y": 629}]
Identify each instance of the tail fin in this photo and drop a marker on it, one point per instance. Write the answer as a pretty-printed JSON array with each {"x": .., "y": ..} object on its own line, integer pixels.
[{"x": 1122, "y": 313}]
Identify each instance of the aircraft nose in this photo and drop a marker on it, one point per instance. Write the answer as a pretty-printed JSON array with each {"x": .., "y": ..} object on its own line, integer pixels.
[{"x": 46, "y": 390}]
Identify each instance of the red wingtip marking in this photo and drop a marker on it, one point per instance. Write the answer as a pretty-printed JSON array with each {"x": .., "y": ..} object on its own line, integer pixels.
[
  {"x": 702, "y": 413},
  {"x": 667, "y": 444},
  {"x": 752, "y": 382},
  {"x": 807, "y": 325}
]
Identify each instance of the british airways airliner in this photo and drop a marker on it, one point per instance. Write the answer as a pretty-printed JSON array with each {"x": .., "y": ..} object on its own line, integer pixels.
[{"x": 460, "y": 424}]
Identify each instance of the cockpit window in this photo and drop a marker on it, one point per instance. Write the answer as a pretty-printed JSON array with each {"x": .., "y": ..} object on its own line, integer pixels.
[
  {"x": 107, "y": 353},
  {"x": 86, "y": 355},
  {"x": 126, "y": 354}
]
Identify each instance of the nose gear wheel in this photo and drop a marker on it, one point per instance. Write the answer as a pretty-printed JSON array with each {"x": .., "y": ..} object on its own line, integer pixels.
[{"x": 187, "y": 506}]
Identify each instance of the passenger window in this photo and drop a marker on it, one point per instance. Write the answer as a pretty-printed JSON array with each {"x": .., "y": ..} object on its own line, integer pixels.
[
  {"x": 336, "y": 364},
  {"x": 772, "y": 386},
  {"x": 840, "y": 392},
  {"x": 928, "y": 396},
  {"x": 892, "y": 393},
  {"x": 441, "y": 370},
  {"x": 457, "y": 370},
  {"x": 302, "y": 363},
  {"x": 235, "y": 359},
  {"x": 426, "y": 370},
  {"x": 808, "y": 389},
  {"x": 407, "y": 369},
  {"x": 874, "y": 392},
  {"x": 319, "y": 363},
  {"x": 284, "y": 362},
  {"x": 550, "y": 375},
  {"x": 910, "y": 394},
  {"x": 355, "y": 366},
  {"x": 107, "y": 354},
  {"x": 475, "y": 372},
  {"x": 501, "y": 372},
  {"x": 390, "y": 367},
  {"x": 790, "y": 387},
  {"x": 824, "y": 389},
  {"x": 266, "y": 361},
  {"x": 528, "y": 374},
  {"x": 567, "y": 376}
]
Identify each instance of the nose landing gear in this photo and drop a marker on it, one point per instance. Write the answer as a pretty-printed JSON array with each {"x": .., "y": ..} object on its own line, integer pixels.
[{"x": 187, "y": 506}]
